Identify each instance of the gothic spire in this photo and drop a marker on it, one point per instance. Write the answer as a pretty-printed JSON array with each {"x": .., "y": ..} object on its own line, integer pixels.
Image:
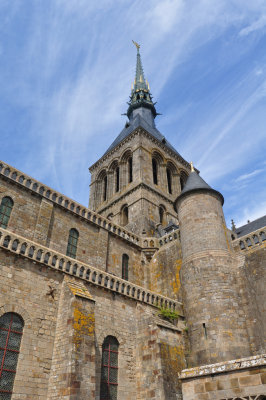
[{"x": 140, "y": 90}]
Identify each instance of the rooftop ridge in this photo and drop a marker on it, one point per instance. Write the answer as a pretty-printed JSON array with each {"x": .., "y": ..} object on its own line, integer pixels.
[{"x": 46, "y": 256}]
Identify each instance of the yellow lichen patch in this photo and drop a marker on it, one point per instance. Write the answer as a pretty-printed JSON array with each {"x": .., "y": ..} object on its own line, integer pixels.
[
  {"x": 84, "y": 324},
  {"x": 173, "y": 361},
  {"x": 176, "y": 282}
]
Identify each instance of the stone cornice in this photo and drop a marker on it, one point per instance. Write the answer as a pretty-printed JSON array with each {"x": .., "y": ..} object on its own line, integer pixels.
[
  {"x": 38, "y": 254},
  {"x": 227, "y": 366},
  {"x": 139, "y": 131}
]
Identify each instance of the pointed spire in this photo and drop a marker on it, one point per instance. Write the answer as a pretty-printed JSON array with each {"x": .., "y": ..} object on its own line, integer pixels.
[{"x": 140, "y": 91}]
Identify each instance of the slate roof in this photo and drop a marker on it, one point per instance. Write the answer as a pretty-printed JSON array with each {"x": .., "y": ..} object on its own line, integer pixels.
[
  {"x": 251, "y": 226},
  {"x": 135, "y": 123},
  {"x": 195, "y": 183}
]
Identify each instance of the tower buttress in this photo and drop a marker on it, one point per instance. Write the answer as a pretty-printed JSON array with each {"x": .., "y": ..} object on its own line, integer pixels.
[{"x": 215, "y": 320}]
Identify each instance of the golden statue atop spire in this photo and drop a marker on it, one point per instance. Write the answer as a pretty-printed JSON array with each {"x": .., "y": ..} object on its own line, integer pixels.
[
  {"x": 136, "y": 44},
  {"x": 191, "y": 166}
]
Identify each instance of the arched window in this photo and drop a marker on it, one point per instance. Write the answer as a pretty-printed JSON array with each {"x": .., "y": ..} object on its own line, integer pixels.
[
  {"x": 161, "y": 213},
  {"x": 124, "y": 215},
  {"x": 155, "y": 171},
  {"x": 117, "y": 176},
  {"x": 109, "y": 371},
  {"x": 11, "y": 329},
  {"x": 130, "y": 170},
  {"x": 125, "y": 259},
  {"x": 183, "y": 179},
  {"x": 105, "y": 188},
  {"x": 169, "y": 180},
  {"x": 72, "y": 243},
  {"x": 5, "y": 211}
]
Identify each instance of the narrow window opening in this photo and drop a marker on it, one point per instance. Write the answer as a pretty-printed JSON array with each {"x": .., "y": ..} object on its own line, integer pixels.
[
  {"x": 169, "y": 180},
  {"x": 183, "y": 180},
  {"x": 124, "y": 216},
  {"x": 125, "y": 260},
  {"x": 155, "y": 171},
  {"x": 105, "y": 188},
  {"x": 161, "y": 214},
  {"x": 5, "y": 211},
  {"x": 117, "y": 179},
  {"x": 72, "y": 243},
  {"x": 130, "y": 170},
  {"x": 205, "y": 330},
  {"x": 11, "y": 329},
  {"x": 109, "y": 370}
]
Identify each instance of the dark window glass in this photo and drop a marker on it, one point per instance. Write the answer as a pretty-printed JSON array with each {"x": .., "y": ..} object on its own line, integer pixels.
[
  {"x": 11, "y": 328},
  {"x": 130, "y": 170},
  {"x": 109, "y": 371},
  {"x": 125, "y": 259},
  {"x": 105, "y": 188},
  {"x": 183, "y": 179},
  {"x": 155, "y": 171},
  {"x": 161, "y": 214},
  {"x": 117, "y": 179},
  {"x": 72, "y": 243},
  {"x": 5, "y": 211},
  {"x": 169, "y": 180}
]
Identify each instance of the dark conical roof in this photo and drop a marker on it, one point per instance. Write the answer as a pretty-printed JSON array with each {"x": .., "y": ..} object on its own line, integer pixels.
[{"x": 196, "y": 184}]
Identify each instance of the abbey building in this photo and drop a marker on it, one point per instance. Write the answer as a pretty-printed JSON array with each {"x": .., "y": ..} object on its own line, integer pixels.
[{"x": 144, "y": 295}]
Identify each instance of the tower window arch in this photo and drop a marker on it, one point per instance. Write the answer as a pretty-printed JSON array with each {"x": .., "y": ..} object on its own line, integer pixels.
[
  {"x": 125, "y": 259},
  {"x": 5, "y": 211},
  {"x": 161, "y": 213},
  {"x": 109, "y": 370},
  {"x": 11, "y": 330},
  {"x": 72, "y": 244},
  {"x": 169, "y": 180},
  {"x": 105, "y": 188},
  {"x": 117, "y": 178},
  {"x": 155, "y": 171},
  {"x": 124, "y": 215},
  {"x": 130, "y": 170},
  {"x": 183, "y": 179}
]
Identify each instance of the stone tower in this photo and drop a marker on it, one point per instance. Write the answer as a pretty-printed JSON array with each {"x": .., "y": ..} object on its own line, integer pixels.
[
  {"x": 217, "y": 329},
  {"x": 137, "y": 180}
]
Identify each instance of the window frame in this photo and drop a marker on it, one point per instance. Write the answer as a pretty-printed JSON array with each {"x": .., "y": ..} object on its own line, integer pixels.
[
  {"x": 105, "y": 385},
  {"x": 5, "y": 211},
  {"x": 72, "y": 243},
  {"x": 7, "y": 350},
  {"x": 125, "y": 268}
]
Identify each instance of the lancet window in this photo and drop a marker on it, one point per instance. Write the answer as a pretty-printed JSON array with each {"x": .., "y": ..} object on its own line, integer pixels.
[
  {"x": 5, "y": 211},
  {"x": 11, "y": 329},
  {"x": 72, "y": 243},
  {"x": 109, "y": 370}
]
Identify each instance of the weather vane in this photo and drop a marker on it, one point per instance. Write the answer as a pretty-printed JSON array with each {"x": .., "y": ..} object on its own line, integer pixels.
[{"x": 136, "y": 44}]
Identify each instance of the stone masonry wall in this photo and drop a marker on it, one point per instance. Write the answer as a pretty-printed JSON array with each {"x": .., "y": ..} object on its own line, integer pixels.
[{"x": 32, "y": 292}]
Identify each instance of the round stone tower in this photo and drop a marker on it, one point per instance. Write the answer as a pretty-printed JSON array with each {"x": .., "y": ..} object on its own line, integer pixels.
[{"x": 216, "y": 322}]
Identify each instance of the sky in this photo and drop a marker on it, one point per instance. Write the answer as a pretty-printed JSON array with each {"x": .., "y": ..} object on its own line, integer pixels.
[{"x": 66, "y": 69}]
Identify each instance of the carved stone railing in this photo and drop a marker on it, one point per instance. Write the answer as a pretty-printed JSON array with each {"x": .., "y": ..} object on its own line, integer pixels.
[
  {"x": 252, "y": 240},
  {"x": 65, "y": 202},
  {"x": 46, "y": 256},
  {"x": 170, "y": 237}
]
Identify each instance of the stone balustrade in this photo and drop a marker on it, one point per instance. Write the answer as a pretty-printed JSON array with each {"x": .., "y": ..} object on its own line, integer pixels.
[
  {"x": 169, "y": 238},
  {"x": 35, "y": 186},
  {"x": 46, "y": 256},
  {"x": 252, "y": 240}
]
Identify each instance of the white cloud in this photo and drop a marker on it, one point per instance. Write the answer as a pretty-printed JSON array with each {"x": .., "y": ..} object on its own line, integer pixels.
[
  {"x": 245, "y": 177},
  {"x": 256, "y": 25}
]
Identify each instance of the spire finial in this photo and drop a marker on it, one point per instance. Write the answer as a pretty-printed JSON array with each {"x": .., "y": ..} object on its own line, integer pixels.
[
  {"x": 136, "y": 44},
  {"x": 191, "y": 166}
]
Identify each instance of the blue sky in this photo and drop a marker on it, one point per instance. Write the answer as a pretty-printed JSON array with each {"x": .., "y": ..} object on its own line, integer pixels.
[{"x": 65, "y": 75}]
